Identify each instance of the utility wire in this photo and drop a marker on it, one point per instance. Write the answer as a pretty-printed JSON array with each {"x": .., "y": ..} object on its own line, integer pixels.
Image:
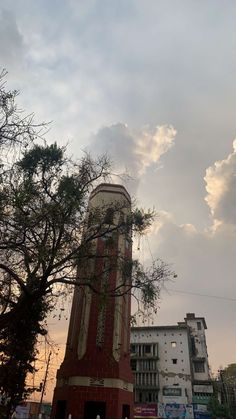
[{"x": 218, "y": 297}]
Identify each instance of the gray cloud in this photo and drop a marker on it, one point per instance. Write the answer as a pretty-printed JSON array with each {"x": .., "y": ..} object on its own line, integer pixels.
[{"x": 11, "y": 41}]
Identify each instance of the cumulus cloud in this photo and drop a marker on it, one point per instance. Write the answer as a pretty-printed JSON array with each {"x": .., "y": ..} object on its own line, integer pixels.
[
  {"x": 134, "y": 151},
  {"x": 205, "y": 264},
  {"x": 204, "y": 260},
  {"x": 221, "y": 187}
]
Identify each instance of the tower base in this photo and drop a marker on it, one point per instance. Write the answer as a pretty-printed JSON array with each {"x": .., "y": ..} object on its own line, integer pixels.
[{"x": 82, "y": 402}]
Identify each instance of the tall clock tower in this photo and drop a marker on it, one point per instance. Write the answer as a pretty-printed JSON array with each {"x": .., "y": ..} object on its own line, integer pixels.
[{"x": 95, "y": 379}]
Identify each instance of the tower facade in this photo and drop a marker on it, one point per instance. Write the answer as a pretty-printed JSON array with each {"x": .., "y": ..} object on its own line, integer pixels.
[{"x": 95, "y": 378}]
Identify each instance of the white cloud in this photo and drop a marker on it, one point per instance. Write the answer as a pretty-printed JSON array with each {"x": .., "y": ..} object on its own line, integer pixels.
[
  {"x": 134, "y": 151},
  {"x": 152, "y": 144},
  {"x": 221, "y": 187}
]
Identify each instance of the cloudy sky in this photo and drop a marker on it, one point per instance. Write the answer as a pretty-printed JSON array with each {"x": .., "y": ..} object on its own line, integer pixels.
[{"x": 153, "y": 84}]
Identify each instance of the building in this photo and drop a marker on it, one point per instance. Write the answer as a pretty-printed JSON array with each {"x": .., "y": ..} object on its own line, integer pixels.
[
  {"x": 95, "y": 378},
  {"x": 201, "y": 379},
  {"x": 170, "y": 364}
]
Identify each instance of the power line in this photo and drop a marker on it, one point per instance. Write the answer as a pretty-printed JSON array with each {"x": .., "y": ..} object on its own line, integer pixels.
[{"x": 218, "y": 297}]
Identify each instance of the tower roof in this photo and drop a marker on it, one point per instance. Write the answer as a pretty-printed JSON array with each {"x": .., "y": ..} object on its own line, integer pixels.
[{"x": 111, "y": 188}]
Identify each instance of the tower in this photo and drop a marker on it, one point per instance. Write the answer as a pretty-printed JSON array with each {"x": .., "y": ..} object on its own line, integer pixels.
[{"x": 95, "y": 378}]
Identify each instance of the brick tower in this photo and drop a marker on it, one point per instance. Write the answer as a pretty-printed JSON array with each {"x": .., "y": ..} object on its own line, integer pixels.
[{"x": 95, "y": 378}]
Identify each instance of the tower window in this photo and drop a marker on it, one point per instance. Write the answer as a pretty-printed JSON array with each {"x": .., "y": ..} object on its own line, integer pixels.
[
  {"x": 174, "y": 360},
  {"x": 173, "y": 344},
  {"x": 109, "y": 216}
]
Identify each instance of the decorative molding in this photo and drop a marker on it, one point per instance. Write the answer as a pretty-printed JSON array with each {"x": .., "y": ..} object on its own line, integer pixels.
[
  {"x": 84, "y": 323},
  {"x": 96, "y": 382}
]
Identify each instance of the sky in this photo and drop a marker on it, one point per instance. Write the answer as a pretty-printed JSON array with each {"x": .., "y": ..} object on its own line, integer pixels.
[{"x": 151, "y": 83}]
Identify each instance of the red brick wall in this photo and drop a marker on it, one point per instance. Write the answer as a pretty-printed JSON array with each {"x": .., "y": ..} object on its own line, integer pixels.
[{"x": 77, "y": 396}]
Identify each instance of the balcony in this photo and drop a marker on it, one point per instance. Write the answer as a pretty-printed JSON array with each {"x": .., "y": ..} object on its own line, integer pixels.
[{"x": 144, "y": 351}]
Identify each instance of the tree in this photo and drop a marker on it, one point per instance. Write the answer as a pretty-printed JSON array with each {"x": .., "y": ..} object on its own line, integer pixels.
[
  {"x": 227, "y": 378},
  {"x": 16, "y": 128},
  {"x": 43, "y": 203},
  {"x": 43, "y": 217},
  {"x": 17, "y": 131},
  {"x": 217, "y": 410},
  {"x": 229, "y": 375}
]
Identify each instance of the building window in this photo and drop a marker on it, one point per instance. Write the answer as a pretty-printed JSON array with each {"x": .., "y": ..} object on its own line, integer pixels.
[
  {"x": 173, "y": 344},
  {"x": 199, "y": 326},
  {"x": 199, "y": 366},
  {"x": 133, "y": 349},
  {"x": 174, "y": 360},
  {"x": 133, "y": 364},
  {"x": 193, "y": 346},
  {"x": 147, "y": 349}
]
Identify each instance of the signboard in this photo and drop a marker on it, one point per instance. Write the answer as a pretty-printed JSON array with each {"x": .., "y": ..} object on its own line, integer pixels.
[
  {"x": 202, "y": 389},
  {"x": 175, "y": 411},
  {"x": 172, "y": 391},
  {"x": 145, "y": 411},
  {"x": 200, "y": 408}
]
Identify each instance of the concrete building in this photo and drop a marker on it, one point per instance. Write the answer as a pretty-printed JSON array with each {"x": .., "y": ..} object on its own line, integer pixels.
[
  {"x": 95, "y": 378},
  {"x": 170, "y": 364},
  {"x": 201, "y": 380}
]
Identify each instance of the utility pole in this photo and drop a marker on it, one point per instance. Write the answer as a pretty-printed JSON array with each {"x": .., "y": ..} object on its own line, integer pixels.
[{"x": 44, "y": 383}]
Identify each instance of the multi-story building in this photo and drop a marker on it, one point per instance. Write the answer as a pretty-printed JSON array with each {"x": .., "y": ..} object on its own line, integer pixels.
[
  {"x": 170, "y": 364},
  {"x": 201, "y": 380}
]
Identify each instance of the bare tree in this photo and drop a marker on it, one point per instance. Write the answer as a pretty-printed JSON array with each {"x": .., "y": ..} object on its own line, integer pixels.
[{"x": 16, "y": 127}]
